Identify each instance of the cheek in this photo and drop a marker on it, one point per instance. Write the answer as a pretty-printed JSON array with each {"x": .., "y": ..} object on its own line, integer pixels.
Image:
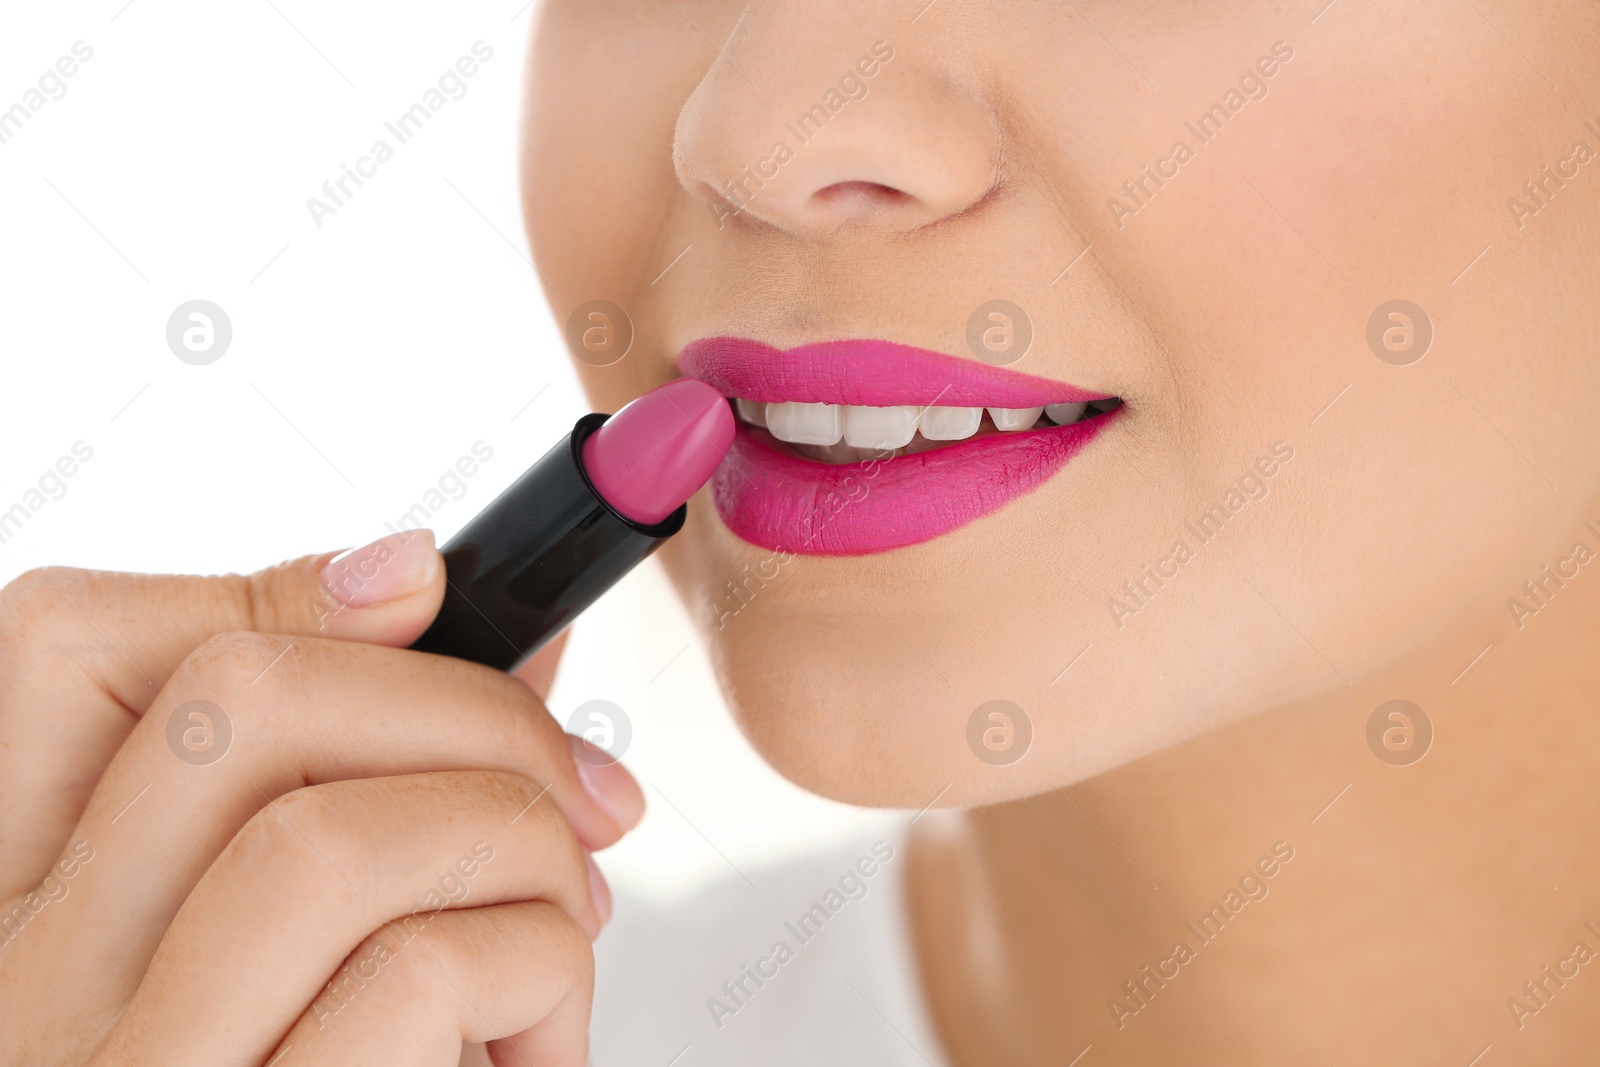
[
  {"x": 605, "y": 82},
  {"x": 1431, "y": 484},
  {"x": 1355, "y": 182}
]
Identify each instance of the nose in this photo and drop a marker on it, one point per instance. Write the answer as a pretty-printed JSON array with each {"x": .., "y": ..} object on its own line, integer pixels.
[{"x": 806, "y": 124}]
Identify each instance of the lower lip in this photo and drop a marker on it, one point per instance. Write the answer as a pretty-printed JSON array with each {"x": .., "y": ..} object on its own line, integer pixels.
[{"x": 776, "y": 500}]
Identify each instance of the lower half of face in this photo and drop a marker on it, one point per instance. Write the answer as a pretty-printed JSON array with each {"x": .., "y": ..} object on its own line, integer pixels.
[{"x": 1100, "y": 382}]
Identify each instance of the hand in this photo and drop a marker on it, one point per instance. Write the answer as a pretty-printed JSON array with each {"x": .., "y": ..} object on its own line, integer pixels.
[{"x": 241, "y": 824}]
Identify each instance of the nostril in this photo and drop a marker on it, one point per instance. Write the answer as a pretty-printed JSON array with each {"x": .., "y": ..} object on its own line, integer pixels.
[{"x": 843, "y": 193}]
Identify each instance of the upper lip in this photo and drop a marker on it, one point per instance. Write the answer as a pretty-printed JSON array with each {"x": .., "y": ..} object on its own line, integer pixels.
[{"x": 865, "y": 373}]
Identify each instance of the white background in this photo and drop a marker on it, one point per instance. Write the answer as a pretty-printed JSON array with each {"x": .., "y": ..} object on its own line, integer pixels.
[{"x": 367, "y": 355}]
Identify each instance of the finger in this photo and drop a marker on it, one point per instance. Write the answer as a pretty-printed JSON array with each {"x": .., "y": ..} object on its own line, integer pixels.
[
  {"x": 84, "y": 653},
  {"x": 286, "y": 713},
  {"x": 311, "y": 876},
  {"x": 519, "y": 973}
]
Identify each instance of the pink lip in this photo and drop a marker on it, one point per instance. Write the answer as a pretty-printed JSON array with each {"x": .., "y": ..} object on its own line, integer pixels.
[
  {"x": 869, "y": 373},
  {"x": 774, "y": 499}
]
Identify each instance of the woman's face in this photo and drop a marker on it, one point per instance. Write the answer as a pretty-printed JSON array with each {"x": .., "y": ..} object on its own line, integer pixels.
[{"x": 1207, "y": 211}]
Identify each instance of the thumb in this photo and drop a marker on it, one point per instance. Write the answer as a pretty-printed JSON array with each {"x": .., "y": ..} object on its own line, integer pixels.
[
  {"x": 81, "y": 649},
  {"x": 385, "y": 593}
]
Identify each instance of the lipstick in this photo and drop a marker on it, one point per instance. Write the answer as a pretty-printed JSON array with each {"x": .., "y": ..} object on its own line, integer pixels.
[{"x": 601, "y": 500}]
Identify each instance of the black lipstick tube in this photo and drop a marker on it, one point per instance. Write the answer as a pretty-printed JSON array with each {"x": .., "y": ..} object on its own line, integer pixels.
[{"x": 535, "y": 558}]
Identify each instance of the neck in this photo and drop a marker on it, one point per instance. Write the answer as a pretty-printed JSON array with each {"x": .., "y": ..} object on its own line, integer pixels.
[{"x": 1277, "y": 875}]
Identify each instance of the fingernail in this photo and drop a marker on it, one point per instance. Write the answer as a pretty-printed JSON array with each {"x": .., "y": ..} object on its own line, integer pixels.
[
  {"x": 609, "y": 785},
  {"x": 385, "y": 570},
  {"x": 599, "y": 891}
]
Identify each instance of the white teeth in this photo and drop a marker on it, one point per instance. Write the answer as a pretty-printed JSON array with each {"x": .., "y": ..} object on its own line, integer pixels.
[
  {"x": 1065, "y": 414},
  {"x": 805, "y": 424},
  {"x": 752, "y": 411},
  {"x": 1014, "y": 418},
  {"x": 879, "y": 427},
  {"x": 950, "y": 424},
  {"x": 859, "y": 427}
]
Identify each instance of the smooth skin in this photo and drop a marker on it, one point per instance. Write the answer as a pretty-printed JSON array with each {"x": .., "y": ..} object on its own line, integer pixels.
[
  {"x": 389, "y": 857},
  {"x": 1374, "y": 161}
]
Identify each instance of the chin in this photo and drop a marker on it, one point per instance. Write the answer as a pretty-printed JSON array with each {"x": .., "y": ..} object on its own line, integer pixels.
[{"x": 841, "y": 702}]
